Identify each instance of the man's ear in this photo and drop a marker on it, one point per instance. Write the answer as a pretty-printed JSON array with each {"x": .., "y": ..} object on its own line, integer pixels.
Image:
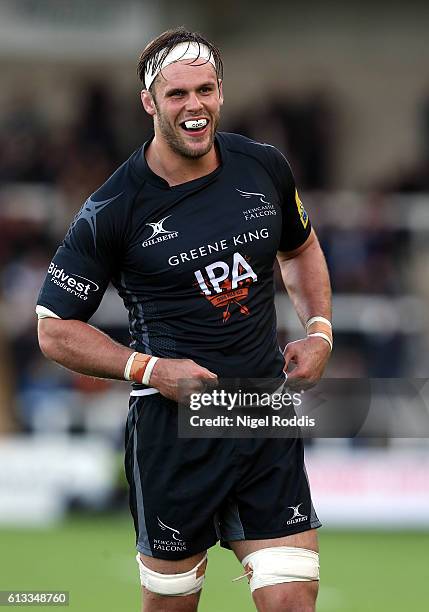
[
  {"x": 148, "y": 102},
  {"x": 220, "y": 83}
]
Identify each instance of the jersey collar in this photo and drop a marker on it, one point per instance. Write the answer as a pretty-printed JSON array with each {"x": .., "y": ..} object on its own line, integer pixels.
[{"x": 154, "y": 179}]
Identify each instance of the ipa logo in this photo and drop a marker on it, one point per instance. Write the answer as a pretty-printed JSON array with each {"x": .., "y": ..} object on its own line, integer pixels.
[{"x": 225, "y": 287}]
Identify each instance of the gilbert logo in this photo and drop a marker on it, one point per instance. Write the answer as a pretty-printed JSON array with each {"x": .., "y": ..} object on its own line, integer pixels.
[
  {"x": 159, "y": 233},
  {"x": 296, "y": 517},
  {"x": 75, "y": 284}
]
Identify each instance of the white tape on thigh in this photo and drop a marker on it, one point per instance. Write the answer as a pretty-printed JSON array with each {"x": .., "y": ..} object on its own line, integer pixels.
[
  {"x": 281, "y": 564},
  {"x": 172, "y": 584}
]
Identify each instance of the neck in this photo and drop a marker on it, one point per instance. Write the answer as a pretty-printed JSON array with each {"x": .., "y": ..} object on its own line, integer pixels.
[{"x": 176, "y": 169}]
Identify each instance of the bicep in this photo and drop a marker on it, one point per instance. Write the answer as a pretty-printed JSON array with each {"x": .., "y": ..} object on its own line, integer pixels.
[
  {"x": 49, "y": 329},
  {"x": 284, "y": 256}
]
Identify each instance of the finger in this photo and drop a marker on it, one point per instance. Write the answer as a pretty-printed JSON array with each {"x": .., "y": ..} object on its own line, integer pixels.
[
  {"x": 290, "y": 356},
  {"x": 194, "y": 385},
  {"x": 210, "y": 384},
  {"x": 184, "y": 390},
  {"x": 287, "y": 357},
  {"x": 299, "y": 380},
  {"x": 296, "y": 374},
  {"x": 207, "y": 374}
]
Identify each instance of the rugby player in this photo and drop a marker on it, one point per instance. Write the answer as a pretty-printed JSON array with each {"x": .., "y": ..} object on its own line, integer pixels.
[{"x": 187, "y": 230}]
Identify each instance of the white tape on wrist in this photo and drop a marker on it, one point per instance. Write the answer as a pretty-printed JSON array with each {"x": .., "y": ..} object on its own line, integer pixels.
[
  {"x": 128, "y": 365},
  {"x": 148, "y": 370},
  {"x": 318, "y": 320},
  {"x": 324, "y": 336}
]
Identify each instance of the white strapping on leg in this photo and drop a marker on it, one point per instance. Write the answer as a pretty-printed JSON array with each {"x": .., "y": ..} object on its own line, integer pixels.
[
  {"x": 173, "y": 584},
  {"x": 279, "y": 564}
]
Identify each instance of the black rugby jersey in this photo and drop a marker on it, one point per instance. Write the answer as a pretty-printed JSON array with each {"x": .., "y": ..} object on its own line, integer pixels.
[{"x": 192, "y": 263}]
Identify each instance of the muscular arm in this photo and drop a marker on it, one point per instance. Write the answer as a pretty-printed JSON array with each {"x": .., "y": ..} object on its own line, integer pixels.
[
  {"x": 305, "y": 275},
  {"x": 82, "y": 348}
]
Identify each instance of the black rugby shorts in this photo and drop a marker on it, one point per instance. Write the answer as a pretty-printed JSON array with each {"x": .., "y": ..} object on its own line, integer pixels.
[{"x": 186, "y": 494}]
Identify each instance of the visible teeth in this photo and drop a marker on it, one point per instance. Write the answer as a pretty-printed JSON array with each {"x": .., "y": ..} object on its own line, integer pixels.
[{"x": 196, "y": 124}]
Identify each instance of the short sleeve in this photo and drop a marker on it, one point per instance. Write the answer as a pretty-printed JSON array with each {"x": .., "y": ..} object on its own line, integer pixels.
[
  {"x": 296, "y": 226},
  {"x": 83, "y": 265}
]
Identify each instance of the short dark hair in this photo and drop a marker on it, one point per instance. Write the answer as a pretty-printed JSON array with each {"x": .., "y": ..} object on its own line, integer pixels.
[{"x": 149, "y": 59}]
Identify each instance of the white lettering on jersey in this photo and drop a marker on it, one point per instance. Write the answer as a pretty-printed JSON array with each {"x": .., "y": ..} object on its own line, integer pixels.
[
  {"x": 241, "y": 271},
  {"x": 215, "y": 280},
  {"x": 248, "y": 272},
  {"x": 221, "y": 245}
]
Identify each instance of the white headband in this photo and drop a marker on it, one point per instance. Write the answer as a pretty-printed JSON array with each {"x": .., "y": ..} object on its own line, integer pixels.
[{"x": 182, "y": 51}]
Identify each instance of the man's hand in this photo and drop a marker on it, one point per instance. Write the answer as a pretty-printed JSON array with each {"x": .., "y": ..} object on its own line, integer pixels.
[
  {"x": 310, "y": 356},
  {"x": 167, "y": 375}
]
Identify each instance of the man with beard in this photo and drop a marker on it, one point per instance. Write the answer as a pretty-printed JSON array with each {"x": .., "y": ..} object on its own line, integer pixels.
[{"x": 187, "y": 230}]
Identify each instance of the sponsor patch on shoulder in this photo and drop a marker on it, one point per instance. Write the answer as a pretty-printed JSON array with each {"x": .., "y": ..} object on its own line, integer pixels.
[{"x": 301, "y": 210}]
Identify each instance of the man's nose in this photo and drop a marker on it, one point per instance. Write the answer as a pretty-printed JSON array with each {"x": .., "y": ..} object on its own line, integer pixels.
[{"x": 193, "y": 102}]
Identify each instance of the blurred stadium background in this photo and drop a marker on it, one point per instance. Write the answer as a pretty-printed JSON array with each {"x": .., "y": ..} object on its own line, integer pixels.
[{"x": 343, "y": 90}]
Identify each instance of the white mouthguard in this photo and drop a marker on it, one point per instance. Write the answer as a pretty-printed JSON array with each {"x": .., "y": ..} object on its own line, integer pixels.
[{"x": 196, "y": 123}]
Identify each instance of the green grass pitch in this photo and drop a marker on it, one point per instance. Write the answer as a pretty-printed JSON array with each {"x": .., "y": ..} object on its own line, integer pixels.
[{"x": 93, "y": 559}]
